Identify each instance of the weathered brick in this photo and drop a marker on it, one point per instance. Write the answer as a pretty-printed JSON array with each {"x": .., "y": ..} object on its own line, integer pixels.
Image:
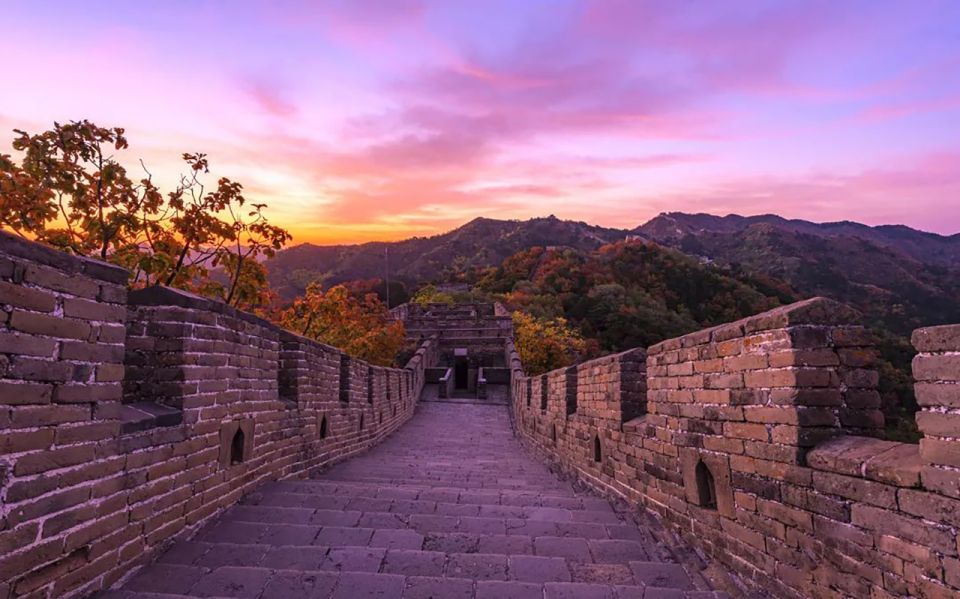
[
  {"x": 28, "y": 298},
  {"x": 93, "y": 310},
  {"x": 87, "y": 393},
  {"x": 743, "y": 430},
  {"x": 938, "y": 424},
  {"x": 905, "y": 527},
  {"x": 36, "y": 369},
  {"x": 53, "y": 326},
  {"x": 938, "y": 394},
  {"x": 91, "y": 352},
  {"x": 13, "y": 441},
  {"x": 22, "y": 393},
  {"x": 930, "y": 506},
  {"x": 936, "y": 367},
  {"x": 865, "y": 491},
  {"x": 30, "y": 416},
  {"x": 26, "y": 345},
  {"x": 935, "y": 339},
  {"x": 35, "y": 463},
  {"x": 50, "y": 278},
  {"x": 938, "y": 451}
]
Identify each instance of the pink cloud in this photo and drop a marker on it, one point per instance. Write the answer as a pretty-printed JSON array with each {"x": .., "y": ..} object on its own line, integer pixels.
[{"x": 269, "y": 98}]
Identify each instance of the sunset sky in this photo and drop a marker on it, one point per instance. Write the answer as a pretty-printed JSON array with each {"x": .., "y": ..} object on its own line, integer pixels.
[{"x": 359, "y": 120}]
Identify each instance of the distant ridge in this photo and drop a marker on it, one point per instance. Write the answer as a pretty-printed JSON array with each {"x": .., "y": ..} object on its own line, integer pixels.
[
  {"x": 900, "y": 277},
  {"x": 478, "y": 243},
  {"x": 671, "y": 227}
]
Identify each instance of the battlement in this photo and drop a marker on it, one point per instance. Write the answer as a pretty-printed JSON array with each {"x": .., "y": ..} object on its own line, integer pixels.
[
  {"x": 469, "y": 337},
  {"x": 130, "y": 419},
  {"x": 753, "y": 443}
]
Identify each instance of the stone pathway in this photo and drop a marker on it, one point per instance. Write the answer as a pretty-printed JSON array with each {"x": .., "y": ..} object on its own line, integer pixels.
[
  {"x": 496, "y": 394},
  {"x": 449, "y": 507}
]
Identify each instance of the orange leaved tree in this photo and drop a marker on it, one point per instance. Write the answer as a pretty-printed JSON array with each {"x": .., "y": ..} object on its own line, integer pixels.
[
  {"x": 359, "y": 326},
  {"x": 69, "y": 190},
  {"x": 545, "y": 344}
]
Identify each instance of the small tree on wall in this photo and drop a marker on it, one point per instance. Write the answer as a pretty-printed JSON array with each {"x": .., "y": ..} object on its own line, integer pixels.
[{"x": 70, "y": 191}]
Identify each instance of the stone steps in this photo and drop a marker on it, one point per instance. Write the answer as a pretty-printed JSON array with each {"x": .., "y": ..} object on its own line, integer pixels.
[
  {"x": 469, "y": 515},
  {"x": 288, "y": 494},
  {"x": 385, "y": 551},
  {"x": 247, "y": 532},
  {"x": 376, "y": 508},
  {"x": 498, "y": 479},
  {"x": 264, "y": 583}
]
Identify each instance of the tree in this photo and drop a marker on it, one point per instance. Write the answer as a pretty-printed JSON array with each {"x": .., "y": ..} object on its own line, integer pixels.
[
  {"x": 429, "y": 294},
  {"x": 70, "y": 191},
  {"x": 545, "y": 344},
  {"x": 397, "y": 292},
  {"x": 359, "y": 326}
]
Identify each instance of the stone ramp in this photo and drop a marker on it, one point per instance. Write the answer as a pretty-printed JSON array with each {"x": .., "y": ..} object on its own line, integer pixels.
[{"x": 449, "y": 507}]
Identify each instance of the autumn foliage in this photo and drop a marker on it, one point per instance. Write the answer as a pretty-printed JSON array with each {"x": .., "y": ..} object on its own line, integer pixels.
[
  {"x": 623, "y": 295},
  {"x": 429, "y": 294},
  {"x": 545, "y": 344},
  {"x": 359, "y": 326},
  {"x": 69, "y": 190}
]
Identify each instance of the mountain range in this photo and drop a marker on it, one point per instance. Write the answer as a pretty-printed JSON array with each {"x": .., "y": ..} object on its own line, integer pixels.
[
  {"x": 481, "y": 242},
  {"x": 899, "y": 277}
]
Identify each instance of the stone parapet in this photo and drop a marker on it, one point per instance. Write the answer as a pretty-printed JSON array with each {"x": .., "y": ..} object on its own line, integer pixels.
[
  {"x": 755, "y": 447},
  {"x": 128, "y": 422}
]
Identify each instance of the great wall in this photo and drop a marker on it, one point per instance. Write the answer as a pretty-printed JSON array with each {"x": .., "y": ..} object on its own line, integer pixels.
[{"x": 154, "y": 444}]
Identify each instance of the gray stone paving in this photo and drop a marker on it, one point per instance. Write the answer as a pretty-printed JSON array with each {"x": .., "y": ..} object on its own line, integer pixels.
[{"x": 449, "y": 507}]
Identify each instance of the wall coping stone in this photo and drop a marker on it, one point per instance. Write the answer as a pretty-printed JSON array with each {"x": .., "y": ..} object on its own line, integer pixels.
[
  {"x": 37, "y": 252},
  {"x": 814, "y": 311},
  {"x": 159, "y": 295},
  {"x": 936, "y": 339},
  {"x": 889, "y": 462}
]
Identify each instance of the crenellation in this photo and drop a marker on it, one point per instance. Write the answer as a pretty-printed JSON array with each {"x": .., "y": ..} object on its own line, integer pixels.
[
  {"x": 756, "y": 443},
  {"x": 120, "y": 414}
]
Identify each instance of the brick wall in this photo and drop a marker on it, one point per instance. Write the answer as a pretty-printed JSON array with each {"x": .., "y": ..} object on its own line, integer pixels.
[
  {"x": 463, "y": 321},
  {"x": 756, "y": 448},
  {"x": 124, "y": 424}
]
